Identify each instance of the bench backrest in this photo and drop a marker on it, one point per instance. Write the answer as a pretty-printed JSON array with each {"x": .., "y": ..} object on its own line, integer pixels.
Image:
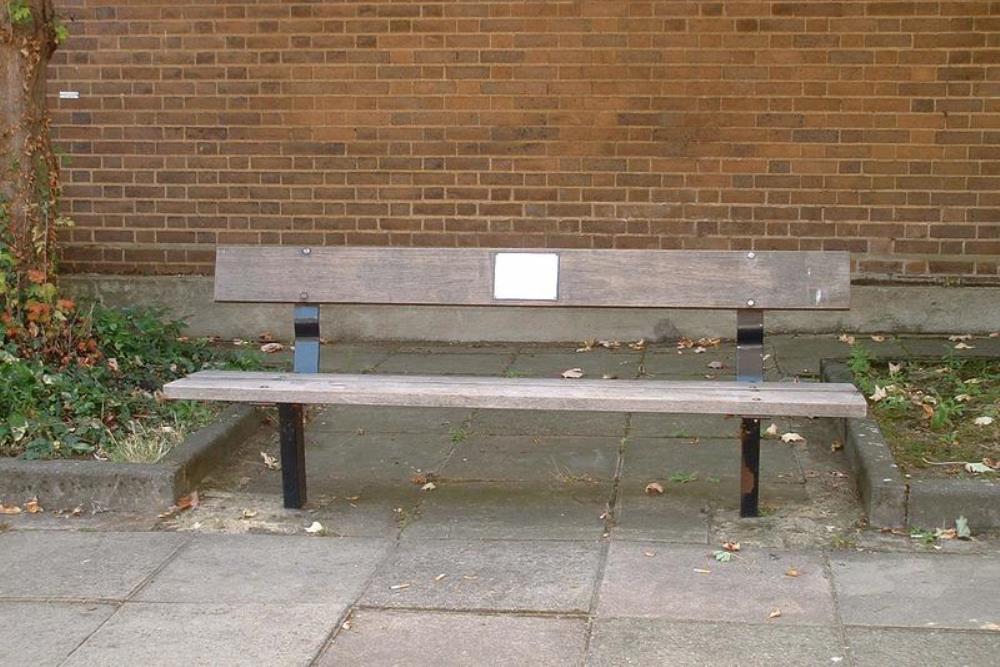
[{"x": 783, "y": 280}]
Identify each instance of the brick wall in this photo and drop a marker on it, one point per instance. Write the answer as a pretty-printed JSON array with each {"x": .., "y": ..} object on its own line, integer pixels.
[{"x": 868, "y": 126}]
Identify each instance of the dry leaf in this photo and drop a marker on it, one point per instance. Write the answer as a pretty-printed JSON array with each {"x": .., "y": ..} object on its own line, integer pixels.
[
  {"x": 314, "y": 528},
  {"x": 586, "y": 346},
  {"x": 113, "y": 365},
  {"x": 190, "y": 501},
  {"x": 398, "y": 587},
  {"x": 775, "y": 613},
  {"x": 701, "y": 570},
  {"x": 270, "y": 462},
  {"x": 960, "y": 337},
  {"x": 271, "y": 348},
  {"x": 32, "y": 506},
  {"x": 654, "y": 489},
  {"x": 239, "y": 342},
  {"x": 990, "y": 626},
  {"x": 963, "y": 346},
  {"x": 699, "y": 350},
  {"x": 249, "y": 514},
  {"x": 878, "y": 338},
  {"x": 792, "y": 437},
  {"x": 879, "y": 393},
  {"x": 9, "y": 509},
  {"x": 716, "y": 364},
  {"x": 895, "y": 368},
  {"x": 648, "y": 554},
  {"x": 771, "y": 430},
  {"x": 836, "y": 446},
  {"x": 638, "y": 345},
  {"x": 731, "y": 547},
  {"x": 440, "y": 577},
  {"x": 792, "y": 572},
  {"x": 976, "y": 468},
  {"x": 982, "y": 421},
  {"x": 429, "y": 486},
  {"x": 572, "y": 373},
  {"x": 846, "y": 338},
  {"x": 962, "y": 398}
]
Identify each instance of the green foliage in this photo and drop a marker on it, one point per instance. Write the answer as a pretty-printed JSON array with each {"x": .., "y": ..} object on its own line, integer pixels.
[
  {"x": 860, "y": 364},
  {"x": 61, "y": 31},
  {"x": 19, "y": 11},
  {"x": 53, "y": 410}
]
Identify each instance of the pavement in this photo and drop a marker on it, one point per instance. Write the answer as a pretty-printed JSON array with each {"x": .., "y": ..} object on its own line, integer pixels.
[{"x": 461, "y": 537}]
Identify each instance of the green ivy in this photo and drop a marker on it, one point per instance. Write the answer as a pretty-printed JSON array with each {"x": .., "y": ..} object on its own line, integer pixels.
[{"x": 19, "y": 11}]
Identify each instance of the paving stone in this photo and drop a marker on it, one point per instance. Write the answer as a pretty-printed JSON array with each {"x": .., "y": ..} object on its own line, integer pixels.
[
  {"x": 918, "y": 590},
  {"x": 543, "y": 422},
  {"x": 542, "y": 458},
  {"x": 982, "y": 346},
  {"x": 648, "y": 641},
  {"x": 874, "y": 647},
  {"x": 44, "y": 633},
  {"x": 444, "y": 364},
  {"x": 385, "y": 419},
  {"x": 512, "y": 511},
  {"x": 383, "y": 637},
  {"x": 746, "y": 589},
  {"x": 652, "y": 425},
  {"x": 497, "y": 349},
  {"x": 595, "y": 364},
  {"x": 335, "y": 358},
  {"x": 215, "y": 634},
  {"x": 670, "y": 517},
  {"x": 267, "y": 568},
  {"x": 657, "y": 459},
  {"x": 49, "y": 564},
  {"x": 489, "y": 574},
  {"x": 801, "y": 354}
]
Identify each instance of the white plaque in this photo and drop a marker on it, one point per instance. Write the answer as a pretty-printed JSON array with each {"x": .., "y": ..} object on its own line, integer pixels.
[{"x": 527, "y": 276}]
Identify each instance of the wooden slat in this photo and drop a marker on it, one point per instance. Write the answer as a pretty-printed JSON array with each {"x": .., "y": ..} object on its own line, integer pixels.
[
  {"x": 763, "y": 400},
  {"x": 600, "y": 278}
]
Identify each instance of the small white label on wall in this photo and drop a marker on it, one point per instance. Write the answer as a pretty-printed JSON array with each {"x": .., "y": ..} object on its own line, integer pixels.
[
  {"x": 526, "y": 276},
  {"x": 69, "y": 94}
]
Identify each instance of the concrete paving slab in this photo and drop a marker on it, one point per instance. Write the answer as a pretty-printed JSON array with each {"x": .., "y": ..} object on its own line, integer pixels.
[
  {"x": 659, "y": 459},
  {"x": 48, "y": 564},
  {"x": 875, "y": 647},
  {"x": 383, "y": 637},
  {"x": 673, "y": 517},
  {"x": 44, "y": 633},
  {"x": 417, "y": 363},
  {"x": 491, "y": 575},
  {"x": 541, "y": 458},
  {"x": 648, "y": 641},
  {"x": 422, "y": 347},
  {"x": 384, "y": 419},
  {"x": 538, "y": 422},
  {"x": 267, "y": 568},
  {"x": 216, "y": 634},
  {"x": 801, "y": 354},
  {"x": 981, "y": 346},
  {"x": 651, "y": 425},
  {"x": 664, "y": 363},
  {"x": 917, "y": 590},
  {"x": 512, "y": 511},
  {"x": 337, "y": 358},
  {"x": 595, "y": 364},
  {"x": 746, "y": 589}
]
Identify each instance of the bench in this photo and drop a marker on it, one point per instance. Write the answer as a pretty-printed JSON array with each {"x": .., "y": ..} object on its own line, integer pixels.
[{"x": 747, "y": 282}]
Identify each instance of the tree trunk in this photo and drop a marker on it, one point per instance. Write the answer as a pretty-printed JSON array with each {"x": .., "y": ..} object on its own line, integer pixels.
[{"x": 29, "y": 173}]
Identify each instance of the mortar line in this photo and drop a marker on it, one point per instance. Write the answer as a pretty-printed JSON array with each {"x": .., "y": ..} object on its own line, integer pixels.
[{"x": 839, "y": 628}]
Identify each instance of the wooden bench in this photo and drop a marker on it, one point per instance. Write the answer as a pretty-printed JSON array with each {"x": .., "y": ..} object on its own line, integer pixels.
[{"x": 748, "y": 282}]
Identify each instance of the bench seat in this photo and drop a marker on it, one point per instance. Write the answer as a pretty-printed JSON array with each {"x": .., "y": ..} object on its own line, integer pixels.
[{"x": 769, "y": 399}]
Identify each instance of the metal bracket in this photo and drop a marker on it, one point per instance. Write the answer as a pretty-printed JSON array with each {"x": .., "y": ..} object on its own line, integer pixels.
[
  {"x": 749, "y": 368},
  {"x": 306, "y": 339}
]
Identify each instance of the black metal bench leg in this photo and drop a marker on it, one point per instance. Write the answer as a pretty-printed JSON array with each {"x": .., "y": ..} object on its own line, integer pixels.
[
  {"x": 291, "y": 426},
  {"x": 750, "y": 474}
]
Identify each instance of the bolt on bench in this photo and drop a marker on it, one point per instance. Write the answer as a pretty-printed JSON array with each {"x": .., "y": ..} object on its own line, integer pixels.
[{"x": 749, "y": 282}]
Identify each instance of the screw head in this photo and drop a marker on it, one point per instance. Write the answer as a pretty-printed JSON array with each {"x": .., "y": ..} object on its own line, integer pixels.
[
  {"x": 751, "y": 255},
  {"x": 303, "y": 296},
  {"x": 751, "y": 302},
  {"x": 307, "y": 251}
]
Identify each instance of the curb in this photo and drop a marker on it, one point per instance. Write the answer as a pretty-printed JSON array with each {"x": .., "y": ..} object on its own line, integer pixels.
[
  {"x": 130, "y": 487},
  {"x": 890, "y": 500}
]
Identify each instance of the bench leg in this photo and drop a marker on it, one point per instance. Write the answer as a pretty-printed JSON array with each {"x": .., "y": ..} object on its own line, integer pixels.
[
  {"x": 750, "y": 474},
  {"x": 291, "y": 427}
]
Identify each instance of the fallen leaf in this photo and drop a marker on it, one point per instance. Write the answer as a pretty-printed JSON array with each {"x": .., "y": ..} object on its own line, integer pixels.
[
  {"x": 239, "y": 342},
  {"x": 716, "y": 364},
  {"x": 700, "y": 350},
  {"x": 792, "y": 437},
  {"x": 963, "y": 346},
  {"x": 638, "y": 345},
  {"x": 440, "y": 577},
  {"x": 990, "y": 626},
  {"x": 982, "y": 421},
  {"x": 314, "y": 528},
  {"x": 270, "y": 462},
  {"x": 771, "y": 430},
  {"x": 960, "y": 337},
  {"x": 700, "y": 570},
  {"x": 586, "y": 346},
  {"x": 946, "y": 534},
  {"x": 878, "y": 338},
  {"x": 775, "y": 613},
  {"x": 190, "y": 501},
  {"x": 398, "y": 587},
  {"x": 271, "y": 348},
  {"x": 879, "y": 394},
  {"x": 846, "y": 338},
  {"x": 654, "y": 489},
  {"x": 963, "y": 398},
  {"x": 429, "y": 486},
  {"x": 895, "y": 368},
  {"x": 9, "y": 509},
  {"x": 731, "y": 546},
  {"x": 113, "y": 365},
  {"x": 32, "y": 506},
  {"x": 836, "y": 446},
  {"x": 572, "y": 373},
  {"x": 962, "y": 530},
  {"x": 976, "y": 468},
  {"x": 791, "y": 572},
  {"x": 648, "y": 554},
  {"x": 249, "y": 514}
]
